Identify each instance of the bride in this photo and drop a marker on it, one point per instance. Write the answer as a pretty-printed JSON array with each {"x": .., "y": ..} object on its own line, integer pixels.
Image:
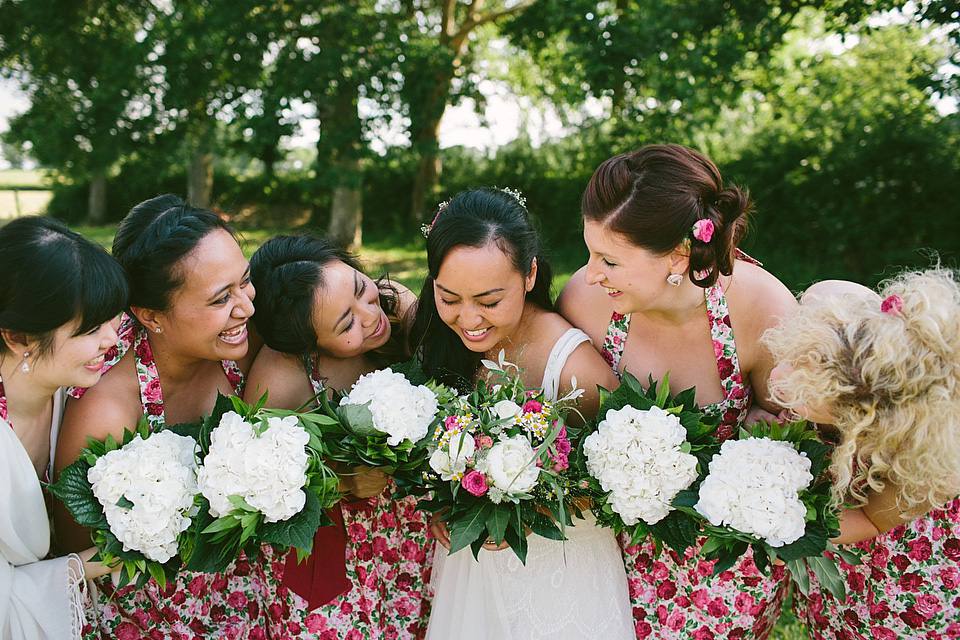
[{"x": 488, "y": 289}]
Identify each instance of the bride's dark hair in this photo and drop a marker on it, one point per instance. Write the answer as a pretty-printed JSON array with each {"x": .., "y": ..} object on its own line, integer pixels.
[
  {"x": 286, "y": 272},
  {"x": 473, "y": 219}
]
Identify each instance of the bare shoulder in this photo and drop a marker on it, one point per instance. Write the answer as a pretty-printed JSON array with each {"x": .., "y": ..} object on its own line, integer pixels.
[
  {"x": 585, "y": 306},
  {"x": 282, "y": 376},
  {"x": 107, "y": 408},
  {"x": 757, "y": 300}
]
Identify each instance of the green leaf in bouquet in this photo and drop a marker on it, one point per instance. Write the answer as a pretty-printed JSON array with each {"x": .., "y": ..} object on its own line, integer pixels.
[
  {"x": 516, "y": 536},
  {"x": 812, "y": 543},
  {"x": 496, "y": 523},
  {"x": 685, "y": 498},
  {"x": 688, "y": 400},
  {"x": 125, "y": 503},
  {"x": 110, "y": 444},
  {"x": 798, "y": 571},
  {"x": 677, "y": 530},
  {"x": 412, "y": 371},
  {"x": 468, "y": 527},
  {"x": 663, "y": 392},
  {"x": 828, "y": 575},
  {"x": 847, "y": 556},
  {"x": 156, "y": 572},
  {"x": 73, "y": 489},
  {"x": 358, "y": 419},
  {"x": 728, "y": 555},
  {"x": 545, "y": 526},
  {"x": 298, "y": 530},
  {"x": 223, "y": 523},
  {"x": 818, "y": 453}
]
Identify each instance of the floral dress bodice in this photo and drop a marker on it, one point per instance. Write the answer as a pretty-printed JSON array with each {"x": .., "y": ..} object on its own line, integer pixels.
[{"x": 736, "y": 392}]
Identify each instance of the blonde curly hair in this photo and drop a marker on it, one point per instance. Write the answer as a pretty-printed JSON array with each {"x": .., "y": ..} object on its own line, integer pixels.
[{"x": 889, "y": 378}]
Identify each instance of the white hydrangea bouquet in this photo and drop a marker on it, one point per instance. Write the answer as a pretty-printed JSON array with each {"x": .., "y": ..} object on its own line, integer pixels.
[
  {"x": 499, "y": 463},
  {"x": 261, "y": 480},
  {"x": 768, "y": 491},
  {"x": 137, "y": 497},
  {"x": 643, "y": 460},
  {"x": 383, "y": 421}
]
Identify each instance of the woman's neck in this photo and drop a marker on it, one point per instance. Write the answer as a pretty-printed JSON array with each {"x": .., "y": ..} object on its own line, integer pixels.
[
  {"x": 517, "y": 339},
  {"x": 28, "y": 394},
  {"x": 176, "y": 368}
]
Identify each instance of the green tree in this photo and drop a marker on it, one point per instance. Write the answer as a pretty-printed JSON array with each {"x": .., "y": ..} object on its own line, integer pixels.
[
  {"x": 78, "y": 63},
  {"x": 851, "y": 164}
]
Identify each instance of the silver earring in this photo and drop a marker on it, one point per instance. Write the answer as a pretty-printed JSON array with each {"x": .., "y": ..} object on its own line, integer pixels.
[
  {"x": 674, "y": 279},
  {"x": 25, "y": 367},
  {"x": 158, "y": 330}
]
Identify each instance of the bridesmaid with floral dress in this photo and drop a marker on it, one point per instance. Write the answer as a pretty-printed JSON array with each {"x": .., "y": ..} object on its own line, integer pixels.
[
  {"x": 325, "y": 323},
  {"x": 882, "y": 373},
  {"x": 184, "y": 342},
  {"x": 665, "y": 290}
]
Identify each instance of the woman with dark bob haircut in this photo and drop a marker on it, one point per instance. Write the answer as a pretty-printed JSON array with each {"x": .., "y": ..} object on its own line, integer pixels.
[
  {"x": 665, "y": 289},
  {"x": 325, "y": 323},
  {"x": 60, "y": 298},
  {"x": 185, "y": 339},
  {"x": 487, "y": 290}
]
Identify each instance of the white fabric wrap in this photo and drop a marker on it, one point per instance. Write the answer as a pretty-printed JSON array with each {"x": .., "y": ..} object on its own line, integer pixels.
[{"x": 39, "y": 599}]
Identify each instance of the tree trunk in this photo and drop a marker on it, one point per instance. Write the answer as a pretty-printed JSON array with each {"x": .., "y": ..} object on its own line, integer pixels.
[
  {"x": 346, "y": 207},
  {"x": 97, "y": 199},
  {"x": 200, "y": 177},
  {"x": 424, "y": 187}
]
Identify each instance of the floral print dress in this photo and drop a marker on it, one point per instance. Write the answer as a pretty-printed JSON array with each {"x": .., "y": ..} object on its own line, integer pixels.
[
  {"x": 388, "y": 562},
  {"x": 908, "y": 585},
  {"x": 676, "y": 596},
  {"x": 231, "y": 605}
]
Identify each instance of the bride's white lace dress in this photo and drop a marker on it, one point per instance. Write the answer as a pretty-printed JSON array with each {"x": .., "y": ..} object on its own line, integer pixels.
[{"x": 573, "y": 590}]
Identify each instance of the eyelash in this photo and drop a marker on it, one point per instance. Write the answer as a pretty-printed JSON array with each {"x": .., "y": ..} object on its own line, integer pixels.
[
  {"x": 486, "y": 305},
  {"x": 226, "y": 296},
  {"x": 608, "y": 263}
]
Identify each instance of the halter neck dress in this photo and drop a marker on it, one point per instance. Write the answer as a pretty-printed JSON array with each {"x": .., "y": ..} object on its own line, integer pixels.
[
  {"x": 676, "y": 596},
  {"x": 232, "y": 604},
  {"x": 388, "y": 557}
]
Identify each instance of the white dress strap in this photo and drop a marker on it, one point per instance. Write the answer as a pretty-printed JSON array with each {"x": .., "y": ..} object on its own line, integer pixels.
[{"x": 562, "y": 349}]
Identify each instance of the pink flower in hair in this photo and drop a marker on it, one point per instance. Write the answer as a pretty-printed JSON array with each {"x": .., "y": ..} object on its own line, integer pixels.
[
  {"x": 703, "y": 230},
  {"x": 892, "y": 305}
]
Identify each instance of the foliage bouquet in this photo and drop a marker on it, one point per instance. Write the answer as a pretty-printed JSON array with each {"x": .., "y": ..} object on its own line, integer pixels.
[
  {"x": 137, "y": 498},
  {"x": 383, "y": 421},
  {"x": 261, "y": 479},
  {"x": 768, "y": 491},
  {"x": 643, "y": 460},
  {"x": 498, "y": 463}
]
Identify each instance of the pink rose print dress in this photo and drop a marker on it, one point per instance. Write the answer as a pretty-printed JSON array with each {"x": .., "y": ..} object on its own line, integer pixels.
[
  {"x": 229, "y": 605},
  {"x": 677, "y": 596},
  {"x": 908, "y": 585},
  {"x": 388, "y": 563}
]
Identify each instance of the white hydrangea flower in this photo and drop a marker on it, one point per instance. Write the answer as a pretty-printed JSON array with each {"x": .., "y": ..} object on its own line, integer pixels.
[
  {"x": 268, "y": 470},
  {"x": 400, "y": 410},
  {"x": 636, "y": 456},
  {"x": 753, "y": 487},
  {"x": 159, "y": 476},
  {"x": 510, "y": 465}
]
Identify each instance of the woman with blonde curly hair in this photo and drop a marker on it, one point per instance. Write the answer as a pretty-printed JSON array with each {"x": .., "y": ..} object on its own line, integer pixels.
[{"x": 884, "y": 370}]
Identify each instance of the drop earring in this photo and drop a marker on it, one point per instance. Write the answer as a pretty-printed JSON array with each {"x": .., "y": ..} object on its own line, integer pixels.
[
  {"x": 25, "y": 367},
  {"x": 674, "y": 279}
]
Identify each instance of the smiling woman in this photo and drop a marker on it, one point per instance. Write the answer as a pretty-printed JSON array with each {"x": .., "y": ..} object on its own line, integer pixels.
[{"x": 184, "y": 341}]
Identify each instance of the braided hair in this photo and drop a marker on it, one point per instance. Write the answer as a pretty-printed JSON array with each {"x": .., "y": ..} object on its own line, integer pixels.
[{"x": 152, "y": 239}]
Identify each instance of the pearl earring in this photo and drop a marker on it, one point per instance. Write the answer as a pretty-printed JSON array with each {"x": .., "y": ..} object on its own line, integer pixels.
[
  {"x": 674, "y": 279},
  {"x": 25, "y": 367}
]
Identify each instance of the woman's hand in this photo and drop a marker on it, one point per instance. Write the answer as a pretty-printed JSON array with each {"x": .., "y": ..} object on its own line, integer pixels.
[
  {"x": 439, "y": 529},
  {"x": 93, "y": 569},
  {"x": 363, "y": 482}
]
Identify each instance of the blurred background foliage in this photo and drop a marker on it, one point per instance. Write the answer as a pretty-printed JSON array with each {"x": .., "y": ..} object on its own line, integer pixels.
[{"x": 838, "y": 115}]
